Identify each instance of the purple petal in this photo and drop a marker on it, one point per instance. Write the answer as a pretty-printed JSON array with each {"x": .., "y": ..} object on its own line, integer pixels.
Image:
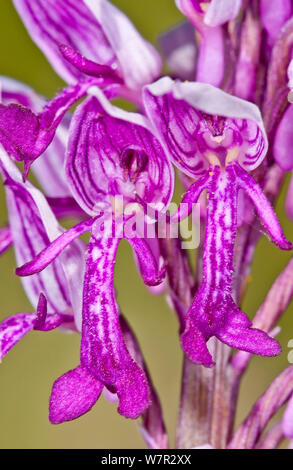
[
  {"x": 289, "y": 199},
  {"x": 33, "y": 227},
  {"x": 153, "y": 428},
  {"x": 271, "y": 21},
  {"x": 284, "y": 140},
  {"x": 287, "y": 423},
  {"x": 238, "y": 333},
  {"x": 179, "y": 48},
  {"x": 191, "y": 197},
  {"x": 41, "y": 312},
  {"x": 12, "y": 329},
  {"x": 215, "y": 12},
  {"x": 5, "y": 239},
  {"x": 49, "y": 170},
  {"x": 213, "y": 311},
  {"x": 272, "y": 438},
  {"x": 73, "y": 395},
  {"x": 103, "y": 349},
  {"x": 54, "y": 22},
  {"x": 113, "y": 153},
  {"x": 48, "y": 254},
  {"x": 152, "y": 273},
  {"x": 264, "y": 209},
  {"x": 176, "y": 109},
  {"x": 222, "y": 11},
  {"x": 25, "y": 135},
  {"x": 210, "y": 62},
  {"x": 139, "y": 62},
  {"x": 154, "y": 247},
  {"x": 49, "y": 322},
  {"x": 89, "y": 67},
  {"x": 247, "y": 435}
]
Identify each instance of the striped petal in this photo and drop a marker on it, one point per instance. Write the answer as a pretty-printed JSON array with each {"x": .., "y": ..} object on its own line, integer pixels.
[
  {"x": 214, "y": 12},
  {"x": 5, "y": 239},
  {"x": 25, "y": 134},
  {"x": 103, "y": 349},
  {"x": 195, "y": 120},
  {"x": 73, "y": 394},
  {"x": 284, "y": 140},
  {"x": 33, "y": 227},
  {"x": 153, "y": 427},
  {"x": 113, "y": 153},
  {"x": 138, "y": 61}
]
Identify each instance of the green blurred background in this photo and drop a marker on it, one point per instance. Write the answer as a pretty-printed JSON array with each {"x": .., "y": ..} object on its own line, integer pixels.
[{"x": 28, "y": 371}]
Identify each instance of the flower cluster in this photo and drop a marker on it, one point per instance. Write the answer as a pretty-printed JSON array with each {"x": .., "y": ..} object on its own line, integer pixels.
[{"x": 225, "y": 131}]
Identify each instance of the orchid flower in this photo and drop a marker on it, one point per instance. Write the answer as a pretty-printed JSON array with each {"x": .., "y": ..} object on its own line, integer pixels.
[
  {"x": 216, "y": 138},
  {"x": 65, "y": 31},
  {"x": 135, "y": 169},
  {"x": 207, "y": 17}
]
